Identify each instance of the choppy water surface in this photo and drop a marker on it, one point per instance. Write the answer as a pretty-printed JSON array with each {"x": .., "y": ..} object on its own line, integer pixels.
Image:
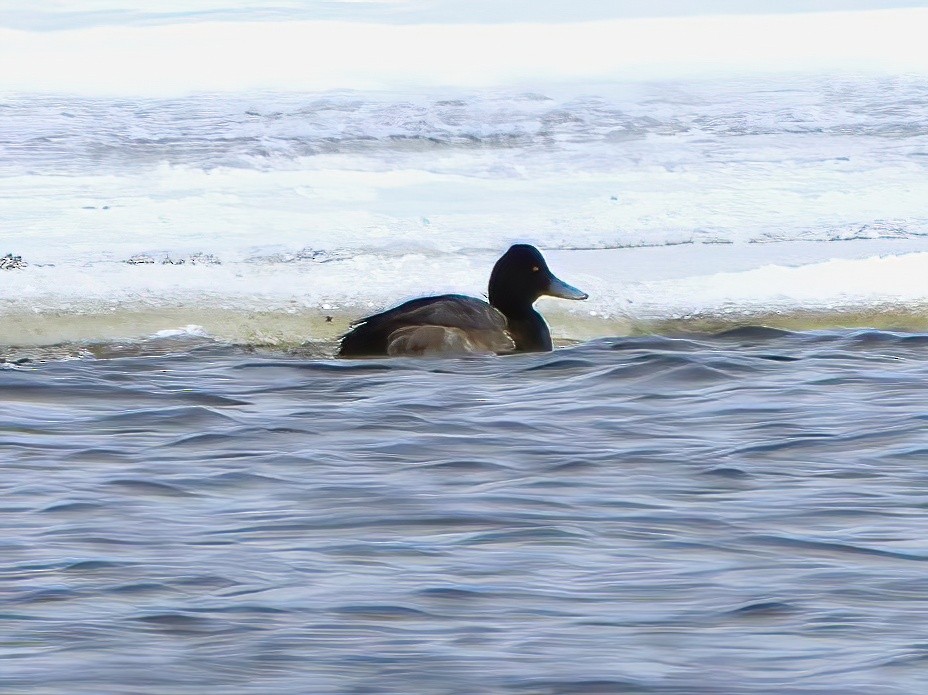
[{"x": 742, "y": 513}]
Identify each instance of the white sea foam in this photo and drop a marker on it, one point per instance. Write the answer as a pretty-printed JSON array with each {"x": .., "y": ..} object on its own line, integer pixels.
[{"x": 184, "y": 332}]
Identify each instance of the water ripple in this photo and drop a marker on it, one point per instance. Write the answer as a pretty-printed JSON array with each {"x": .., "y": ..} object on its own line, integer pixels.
[{"x": 718, "y": 514}]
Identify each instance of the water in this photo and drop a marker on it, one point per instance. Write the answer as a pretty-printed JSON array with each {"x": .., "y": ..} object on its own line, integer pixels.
[
  {"x": 197, "y": 199},
  {"x": 737, "y": 513}
]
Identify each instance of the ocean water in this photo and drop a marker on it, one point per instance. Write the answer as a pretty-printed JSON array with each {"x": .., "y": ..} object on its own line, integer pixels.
[
  {"x": 714, "y": 485},
  {"x": 735, "y": 513}
]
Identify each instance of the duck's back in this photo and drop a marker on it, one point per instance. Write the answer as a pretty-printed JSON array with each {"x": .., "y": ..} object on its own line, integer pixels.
[{"x": 449, "y": 323}]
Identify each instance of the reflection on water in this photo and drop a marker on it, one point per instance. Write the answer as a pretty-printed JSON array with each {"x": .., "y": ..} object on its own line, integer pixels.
[{"x": 740, "y": 513}]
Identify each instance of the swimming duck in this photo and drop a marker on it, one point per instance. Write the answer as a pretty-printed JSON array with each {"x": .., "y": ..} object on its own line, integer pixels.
[{"x": 457, "y": 324}]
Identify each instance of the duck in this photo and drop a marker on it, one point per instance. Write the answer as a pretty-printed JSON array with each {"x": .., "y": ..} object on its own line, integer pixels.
[{"x": 455, "y": 324}]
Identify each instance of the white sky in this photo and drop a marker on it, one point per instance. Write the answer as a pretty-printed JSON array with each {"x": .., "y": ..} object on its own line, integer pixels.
[
  {"x": 71, "y": 14},
  {"x": 312, "y": 55}
]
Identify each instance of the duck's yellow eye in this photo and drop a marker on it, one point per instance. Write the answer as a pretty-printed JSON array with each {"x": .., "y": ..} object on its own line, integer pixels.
[{"x": 535, "y": 268}]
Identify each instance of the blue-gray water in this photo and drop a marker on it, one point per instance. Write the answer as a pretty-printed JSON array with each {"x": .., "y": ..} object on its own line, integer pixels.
[{"x": 742, "y": 513}]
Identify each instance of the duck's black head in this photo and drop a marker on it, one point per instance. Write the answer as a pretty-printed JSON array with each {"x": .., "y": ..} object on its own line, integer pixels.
[{"x": 520, "y": 277}]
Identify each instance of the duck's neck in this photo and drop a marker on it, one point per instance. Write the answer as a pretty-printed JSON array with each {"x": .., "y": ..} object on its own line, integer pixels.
[{"x": 526, "y": 326}]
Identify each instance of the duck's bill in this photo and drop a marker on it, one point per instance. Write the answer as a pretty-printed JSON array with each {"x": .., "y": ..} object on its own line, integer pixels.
[{"x": 559, "y": 288}]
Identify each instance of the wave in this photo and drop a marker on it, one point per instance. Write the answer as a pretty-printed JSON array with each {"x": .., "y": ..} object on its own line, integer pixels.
[
  {"x": 268, "y": 130},
  {"x": 311, "y": 178},
  {"x": 818, "y": 158}
]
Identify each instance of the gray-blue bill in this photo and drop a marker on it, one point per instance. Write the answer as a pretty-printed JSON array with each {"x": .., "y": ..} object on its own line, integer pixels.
[{"x": 559, "y": 288}]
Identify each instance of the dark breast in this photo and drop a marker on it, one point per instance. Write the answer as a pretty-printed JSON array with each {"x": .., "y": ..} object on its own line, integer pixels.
[{"x": 469, "y": 317}]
